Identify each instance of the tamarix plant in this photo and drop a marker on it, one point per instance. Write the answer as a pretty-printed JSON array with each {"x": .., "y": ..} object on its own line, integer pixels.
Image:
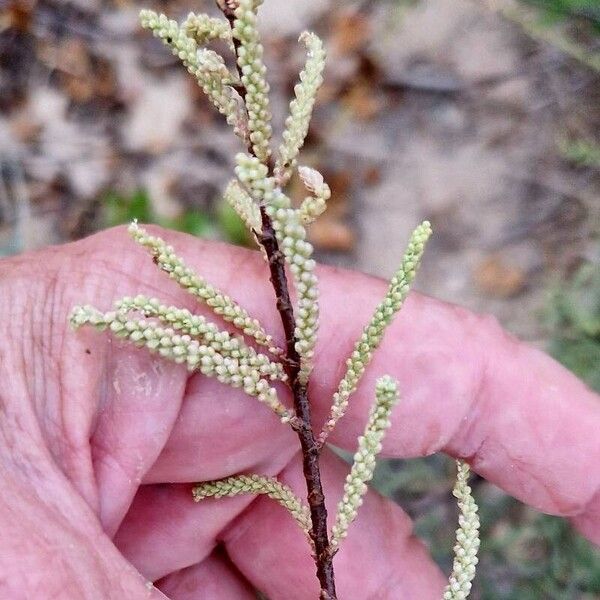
[{"x": 251, "y": 360}]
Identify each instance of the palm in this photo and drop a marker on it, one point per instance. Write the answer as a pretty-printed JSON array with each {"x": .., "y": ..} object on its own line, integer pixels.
[{"x": 120, "y": 424}]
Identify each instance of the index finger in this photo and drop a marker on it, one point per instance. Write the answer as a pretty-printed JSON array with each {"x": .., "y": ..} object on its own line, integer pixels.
[{"x": 468, "y": 389}]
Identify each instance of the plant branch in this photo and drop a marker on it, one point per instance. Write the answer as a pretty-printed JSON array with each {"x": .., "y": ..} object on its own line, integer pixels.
[
  {"x": 302, "y": 424},
  {"x": 308, "y": 443}
]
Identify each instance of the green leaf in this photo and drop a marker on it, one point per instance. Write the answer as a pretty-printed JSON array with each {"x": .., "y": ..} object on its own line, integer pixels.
[
  {"x": 231, "y": 226},
  {"x": 194, "y": 222},
  {"x": 120, "y": 209}
]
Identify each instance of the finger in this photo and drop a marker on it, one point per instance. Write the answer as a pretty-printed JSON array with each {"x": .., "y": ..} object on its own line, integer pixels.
[
  {"x": 213, "y": 579},
  {"x": 525, "y": 423},
  {"x": 52, "y": 545},
  {"x": 180, "y": 532},
  {"x": 271, "y": 551},
  {"x": 221, "y": 431},
  {"x": 104, "y": 411},
  {"x": 133, "y": 427},
  {"x": 184, "y": 532},
  {"x": 267, "y": 546}
]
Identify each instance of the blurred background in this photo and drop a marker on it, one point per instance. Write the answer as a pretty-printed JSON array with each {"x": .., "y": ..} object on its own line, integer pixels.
[{"x": 482, "y": 116}]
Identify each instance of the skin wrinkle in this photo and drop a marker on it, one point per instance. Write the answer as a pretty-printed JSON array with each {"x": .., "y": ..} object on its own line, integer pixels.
[
  {"x": 23, "y": 428},
  {"x": 230, "y": 530},
  {"x": 102, "y": 391},
  {"x": 472, "y": 410},
  {"x": 67, "y": 432},
  {"x": 49, "y": 413},
  {"x": 216, "y": 577},
  {"x": 386, "y": 590},
  {"x": 29, "y": 518},
  {"x": 586, "y": 520},
  {"x": 17, "y": 439},
  {"x": 565, "y": 502},
  {"x": 186, "y": 525},
  {"x": 393, "y": 581},
  {"x": 58, "y": 546},
  {"x": 122, "y": 458}
]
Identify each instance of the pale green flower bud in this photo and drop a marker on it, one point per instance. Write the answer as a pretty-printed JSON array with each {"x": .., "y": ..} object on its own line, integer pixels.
[
  {"x": 313, "y": 206},
  {"x": 369, "y": 445},
  {"x": 373, "y": 333},
  {"x": 467, "y": 538},
  {"x": 261, "y": 485},
  {"x": 203, "y": 29},
  {"x": 244, "y": 206},
  {"x": 296, "y": 125},
  {"x": 253, "y": 70},
  {"x": 220, "y": 303}
]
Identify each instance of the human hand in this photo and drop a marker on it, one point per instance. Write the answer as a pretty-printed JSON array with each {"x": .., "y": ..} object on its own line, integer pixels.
[{"x": 93, "y": 430}]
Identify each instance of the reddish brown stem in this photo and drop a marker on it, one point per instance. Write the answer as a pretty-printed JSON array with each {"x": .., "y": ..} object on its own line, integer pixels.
[
  {"x": 308, "y": 443},
  {"x": 303, "y": 423}
]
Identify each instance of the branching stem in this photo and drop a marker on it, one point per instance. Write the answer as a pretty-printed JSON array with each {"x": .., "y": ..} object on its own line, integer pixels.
[
  {"x": 303, "y": 423},
  {"x": 308, "y": 442}
]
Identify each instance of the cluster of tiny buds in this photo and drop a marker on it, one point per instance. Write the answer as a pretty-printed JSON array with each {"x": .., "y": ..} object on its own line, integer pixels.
[
  {"x": 244, "y": 206},
  {"x": 221, "y": 304},
  {"x": 373, "y": 333},
  {"x": 261, "y": 485},
  {"x": 467, "y": 539},
  {"x": 412, "y": 256},
  {"x": 203, "y": 28},
  {"x": 363, "y": 467},
  {"x": 301, "y": 108},
  {"x": 254, "y": 176},
  {"x": 182, "y": 349},
  {"x": 213, "y": 63},
  {"x": 249, "y": 59},
  {"x": 197, "y": 326},
  {"x": 313, "y": 206},
  {"x": 291, "y": 235}
]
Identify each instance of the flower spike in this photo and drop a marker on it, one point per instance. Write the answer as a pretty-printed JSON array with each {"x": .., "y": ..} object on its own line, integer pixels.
[
  {"x": 196, "y": 326},
  {"x": 296, "y": 125},
  {"x": 252, "y": 69},
  {"x": 220, "y": 303},
  {"x": 291, "y": 236},
  {"x": 257, "y": 484},
  {"x": 182, "y": 349},
  {"x": 369, "y": 446},
  {"x": 373, "y": 333},
  {"x": 467, "y": 538},
  {"x": 207, "y": 67}
]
